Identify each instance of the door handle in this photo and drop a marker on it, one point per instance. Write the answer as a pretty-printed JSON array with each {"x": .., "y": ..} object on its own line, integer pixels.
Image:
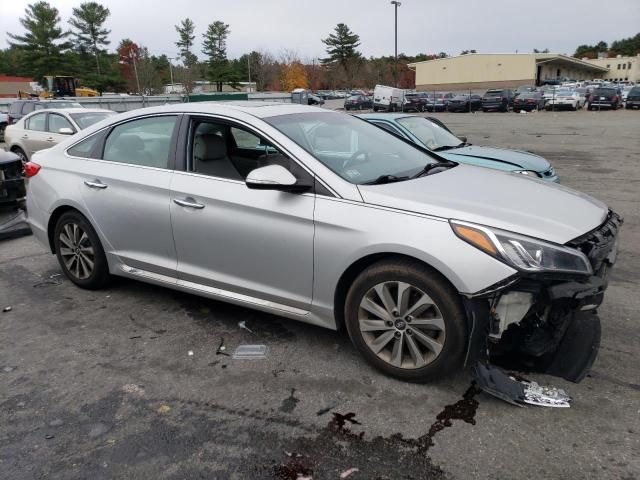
[
  {"x": 189, "y": 203},
  {"x": 95, "y": 184},
  {"x": 50, "y": 139},
  {"x": 25, "y": 136}
]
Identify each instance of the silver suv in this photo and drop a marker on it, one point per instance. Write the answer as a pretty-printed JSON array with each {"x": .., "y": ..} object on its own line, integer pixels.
[{"x": 324, "y": 218}]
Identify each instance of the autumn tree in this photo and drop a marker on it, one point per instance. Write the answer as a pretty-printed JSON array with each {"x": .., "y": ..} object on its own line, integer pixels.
[
  {"x": 293, "y": 76},
  {"x": 186, "y": 36},
  {"x": 44, "y": 43},
  {"x": 88, "y": 20}
]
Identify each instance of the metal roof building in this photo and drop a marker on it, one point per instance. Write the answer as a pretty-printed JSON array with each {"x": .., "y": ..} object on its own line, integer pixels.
[{"x": 500, "y": 70}]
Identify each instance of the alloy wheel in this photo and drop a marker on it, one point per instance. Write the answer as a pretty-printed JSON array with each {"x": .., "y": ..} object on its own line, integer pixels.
[
  {"x": 401, "y": 324},
  {"x": 76, "y": 251}
]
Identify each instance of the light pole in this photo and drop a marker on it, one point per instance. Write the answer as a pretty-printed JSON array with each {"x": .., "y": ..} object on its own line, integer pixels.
[
  {"x": 396, "y": 4},
  {"x": 171, "y": 72}
]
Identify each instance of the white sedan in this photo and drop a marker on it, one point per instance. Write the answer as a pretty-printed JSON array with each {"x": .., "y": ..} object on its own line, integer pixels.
[
  {"x": 46, "y": 128},
  {"x": 564, "y": 98}
]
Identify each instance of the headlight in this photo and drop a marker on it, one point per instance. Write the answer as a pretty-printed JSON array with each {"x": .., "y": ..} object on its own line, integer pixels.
[
  {"x": 529, "y": 173},
  {"x": 521, "y": 252}
]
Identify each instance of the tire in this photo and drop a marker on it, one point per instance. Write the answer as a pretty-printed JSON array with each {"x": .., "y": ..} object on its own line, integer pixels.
[
  {"x": 23, "y": 156},
  {"x": 375, "y": 109},
  {"x": 77, "y": 245},
  {"x": 485, "y": 110},
  {"x": 422, "y": 353}
]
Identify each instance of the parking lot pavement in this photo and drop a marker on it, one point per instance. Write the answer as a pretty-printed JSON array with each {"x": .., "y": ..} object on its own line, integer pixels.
[{"x": 100, "y": 384}]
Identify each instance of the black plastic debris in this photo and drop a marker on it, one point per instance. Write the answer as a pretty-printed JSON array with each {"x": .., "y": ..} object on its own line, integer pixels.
[
  {"x": 7, "y": 309},
  {"x": 221, "y": 348}
]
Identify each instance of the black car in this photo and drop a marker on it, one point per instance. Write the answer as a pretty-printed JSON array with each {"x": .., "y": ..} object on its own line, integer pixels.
[
  {"x": 605, "y": 97},
  {"x": 499, "y": 100},
  {"x": 438, "y": 101},
  {"x": 12, "y": 186},
  {"x": 465, "y": 103},
  {"x": 524, "y": 89},
  {"x": 20, "y": 108},
  {"x": 358, "y": 102},
  {"x": 313, "y": 99},
  {"x": 633, "y": 98},
  {"x": 415, "y": 101},
  {"x": 528, "y": 102}
]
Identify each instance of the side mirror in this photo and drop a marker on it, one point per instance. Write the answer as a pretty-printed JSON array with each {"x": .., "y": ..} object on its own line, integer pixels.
[
  {"x": 65, "y": 131},
  {"x": 274, "y": 177}
]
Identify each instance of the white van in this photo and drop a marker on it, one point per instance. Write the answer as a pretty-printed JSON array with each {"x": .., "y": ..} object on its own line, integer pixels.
[{"x": 387, "y": 98}]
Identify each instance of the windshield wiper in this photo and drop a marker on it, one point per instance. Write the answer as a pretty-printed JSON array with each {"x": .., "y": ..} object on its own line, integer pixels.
[
  {"x": 386, "y": 179},
  {"x": 430, "y": 168},
  {"x": 449, "y": 147}
]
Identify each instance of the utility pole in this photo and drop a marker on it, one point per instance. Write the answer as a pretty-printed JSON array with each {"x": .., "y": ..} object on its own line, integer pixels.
[
  {"x": 249, "y": 69},
  {"x": 171, "y": 71},
  {"x": 396, "y": 4},
  {"x": 132, "y": 55}
]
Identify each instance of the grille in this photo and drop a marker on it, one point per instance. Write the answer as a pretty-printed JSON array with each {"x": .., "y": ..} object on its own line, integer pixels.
[{"x": 600, "y": 244}]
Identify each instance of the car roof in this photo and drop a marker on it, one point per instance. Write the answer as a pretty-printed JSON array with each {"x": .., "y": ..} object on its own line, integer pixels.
[
  {"x": 78, "y": 110},
  {"x": 254, "y": 108},
  {"x": 384, "y": 116}
]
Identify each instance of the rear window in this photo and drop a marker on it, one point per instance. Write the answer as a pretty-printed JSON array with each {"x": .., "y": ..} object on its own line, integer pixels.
[
  {"x": 86, "y": 119},
  {"x": 494, "y": 93},
  {"x": 634, "y": 91},
  {"x": 605, "y": 91}
]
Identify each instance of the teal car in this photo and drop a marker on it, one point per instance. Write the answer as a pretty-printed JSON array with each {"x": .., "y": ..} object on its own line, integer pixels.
[{"x": 435, "y": 136}]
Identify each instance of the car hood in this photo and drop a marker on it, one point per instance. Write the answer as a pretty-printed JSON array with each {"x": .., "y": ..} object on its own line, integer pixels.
[
  {"x": 510, "y": 159},
  {"x": 509, "y": 201}
]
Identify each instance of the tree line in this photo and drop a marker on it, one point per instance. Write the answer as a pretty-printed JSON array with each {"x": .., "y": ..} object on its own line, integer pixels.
[{"x": 79, "y": 47}]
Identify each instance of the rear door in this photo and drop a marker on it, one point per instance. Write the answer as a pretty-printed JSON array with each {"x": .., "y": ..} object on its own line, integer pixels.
[
  {"x": 126, "y": 192},
  {"x": 34, "y": 136},
  {"x": 55, "y": 123}
]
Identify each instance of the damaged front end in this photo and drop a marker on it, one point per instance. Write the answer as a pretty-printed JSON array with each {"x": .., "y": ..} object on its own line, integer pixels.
[{"x": 541, "y": 322}]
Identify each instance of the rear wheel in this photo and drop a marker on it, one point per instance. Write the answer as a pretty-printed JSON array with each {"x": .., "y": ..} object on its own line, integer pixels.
[
  {"x": 80, "y": 252},
  {"x": 406, "y": 321}
]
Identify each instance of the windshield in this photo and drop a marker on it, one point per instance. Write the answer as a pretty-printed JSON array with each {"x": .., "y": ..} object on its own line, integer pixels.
[
  {"x": 86, "y": 119},
  {"x": 433, "y": 136},
  {"x": 354, "y": 149}
]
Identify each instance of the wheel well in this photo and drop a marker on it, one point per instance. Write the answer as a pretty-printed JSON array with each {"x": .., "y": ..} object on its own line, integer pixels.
[
  {"x": 358, "y": 267},
  {"x": 53, "y": 219}
]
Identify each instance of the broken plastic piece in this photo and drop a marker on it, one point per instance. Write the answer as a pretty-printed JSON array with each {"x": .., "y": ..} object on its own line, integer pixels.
[
  {"x": 221, "y": 348},
  {"x": 7, "y": 309},
  {"x": 250, "y": 352},
  {"x": 545, "y": 396},
  {"x": 348, "y": 472},
  {"x": 190, "y": 353}
]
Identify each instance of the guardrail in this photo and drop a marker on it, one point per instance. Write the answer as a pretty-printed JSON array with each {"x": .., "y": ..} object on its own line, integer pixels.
[{"x": 125, "y": 103}]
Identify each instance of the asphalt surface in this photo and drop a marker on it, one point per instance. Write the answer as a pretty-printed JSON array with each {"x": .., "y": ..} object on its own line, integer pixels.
[{"x": 102, "y": 385}]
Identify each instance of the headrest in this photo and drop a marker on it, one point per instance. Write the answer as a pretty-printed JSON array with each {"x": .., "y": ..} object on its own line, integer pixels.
[
  {"x": 210, "y": 147},
  {"x": 130, "y": 143}
]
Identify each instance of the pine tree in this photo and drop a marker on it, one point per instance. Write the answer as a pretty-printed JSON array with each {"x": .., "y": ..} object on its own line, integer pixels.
[
  {"x": 186, "y": 33},
  {"x": 214, "y": 42},
  {"x": 44, "y": 42},
  {"x": 88, "y": 19},
  {"x": 342, "y": 50}
]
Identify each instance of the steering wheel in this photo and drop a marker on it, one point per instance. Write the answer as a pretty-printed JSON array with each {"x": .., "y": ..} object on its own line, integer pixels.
[{"x": 352, "y": 160}]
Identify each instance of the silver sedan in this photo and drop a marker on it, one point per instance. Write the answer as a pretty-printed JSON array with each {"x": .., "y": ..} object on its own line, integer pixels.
[
  {"x": 45, "y": 128},
  {"x": 323, "y": 218}
]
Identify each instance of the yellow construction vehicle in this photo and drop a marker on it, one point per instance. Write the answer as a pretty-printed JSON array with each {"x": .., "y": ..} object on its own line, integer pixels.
[{"x": 60, "y": 86}]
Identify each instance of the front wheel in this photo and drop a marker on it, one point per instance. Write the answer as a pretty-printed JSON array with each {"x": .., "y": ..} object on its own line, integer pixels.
[
  {"x": 406, "y": 320},
  {"x": 80, "y": 252}
]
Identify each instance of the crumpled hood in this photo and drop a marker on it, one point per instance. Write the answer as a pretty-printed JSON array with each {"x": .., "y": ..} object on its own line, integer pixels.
[
  {"x": 510, "y": 159},
  {"x": 509, "y": 201}
]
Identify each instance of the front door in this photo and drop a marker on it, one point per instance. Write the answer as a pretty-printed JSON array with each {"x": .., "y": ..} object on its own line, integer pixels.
[{"x": 251, "y": 246}]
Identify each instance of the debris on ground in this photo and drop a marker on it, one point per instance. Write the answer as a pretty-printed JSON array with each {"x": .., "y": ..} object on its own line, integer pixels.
[
  {"x": 48, "y": 436},
  {"x": 289, "y": 403},
  {"x": 7, "y": 309},
  {"x": 8, "y": 369},
  {"x": 56, "y": 423},
  {"x": 250, "y": 352},
  {"x": 327, "y": 409},
  {"x": 221, "y": 348},
  {"x": 243, "y": 326},
  {"x": 133, "y": 389},
  {"x": 45, "y": 283},
  {"x": 348, "y": 472},
  {"x": 190, "y": 353},
  {"x": 164, "y": 409}
]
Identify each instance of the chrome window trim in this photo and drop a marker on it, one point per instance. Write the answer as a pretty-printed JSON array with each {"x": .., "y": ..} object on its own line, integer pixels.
[{"x": 262, "y": 134}]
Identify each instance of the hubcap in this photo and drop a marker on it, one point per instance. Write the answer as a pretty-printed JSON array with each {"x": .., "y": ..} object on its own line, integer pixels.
[
  {"x": 401, "y": 324},
  {"x": 76, "y": 251}
]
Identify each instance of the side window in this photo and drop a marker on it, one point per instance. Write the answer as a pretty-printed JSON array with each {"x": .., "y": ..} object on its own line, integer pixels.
[
  {"x": 142, "y": 142},
  {"x": 14, "y": 108},
  {"x": 27, "y": 107},
  {"x": 36, "y": 122},
  {"x": 56, "y": 122},
  {"x": 223, "y": 151},
  {"x": 84, "y": 148}
]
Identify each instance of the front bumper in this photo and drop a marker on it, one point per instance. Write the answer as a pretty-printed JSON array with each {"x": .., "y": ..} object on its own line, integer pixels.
[
  {"x": 632, "y": 103},
  {"x": 558, "y": 331}
]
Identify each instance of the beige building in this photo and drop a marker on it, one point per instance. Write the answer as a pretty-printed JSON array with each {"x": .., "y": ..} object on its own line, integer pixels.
[
  {"x": 619, "y": 69},
  {"x": 500, "y": 70}
]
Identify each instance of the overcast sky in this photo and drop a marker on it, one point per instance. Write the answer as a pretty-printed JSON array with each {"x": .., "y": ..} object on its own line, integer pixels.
[{"x": 428, "y": 26}]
